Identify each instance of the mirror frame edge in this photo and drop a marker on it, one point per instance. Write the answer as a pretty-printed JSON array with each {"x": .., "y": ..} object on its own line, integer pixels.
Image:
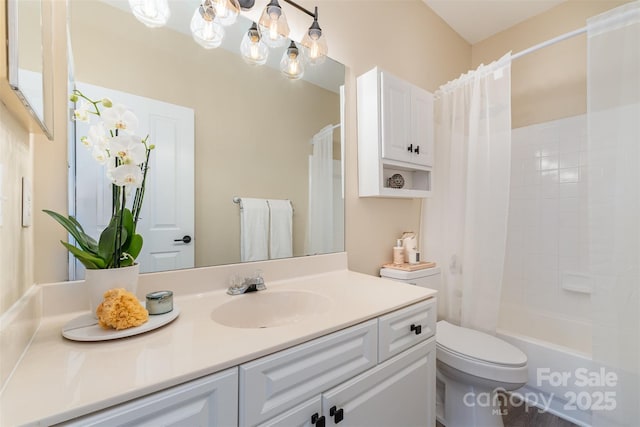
[{"x": 10, "y": 94}]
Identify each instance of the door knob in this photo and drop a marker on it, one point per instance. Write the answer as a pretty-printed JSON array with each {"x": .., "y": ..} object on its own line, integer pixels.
[
  {"x": 410, "y": 148},
  {"x": 417, "y": 150},
  {"x": 185, "y": 239}
]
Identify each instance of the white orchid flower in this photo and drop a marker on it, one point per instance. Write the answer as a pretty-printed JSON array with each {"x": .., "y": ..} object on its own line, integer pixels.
[
  {"x": 129, "y": 148},
  {"x": 100, "y": 155},
  {"x": 119, "y": 118},
  {"x": 81, "y": 113},
  {"x": 128, "y": 176},
  {"x": 97, "y": 137}
]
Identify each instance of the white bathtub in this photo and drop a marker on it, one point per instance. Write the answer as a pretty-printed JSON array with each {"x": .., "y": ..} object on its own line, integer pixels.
[{"x": 559, "y": 354}]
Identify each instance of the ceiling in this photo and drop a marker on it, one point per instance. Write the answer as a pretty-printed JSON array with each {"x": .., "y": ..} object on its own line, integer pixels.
[{"x": 475, "y": 20}]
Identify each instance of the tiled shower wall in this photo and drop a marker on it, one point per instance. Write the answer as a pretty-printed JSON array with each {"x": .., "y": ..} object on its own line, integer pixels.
[{"x": 547, "y": 230}]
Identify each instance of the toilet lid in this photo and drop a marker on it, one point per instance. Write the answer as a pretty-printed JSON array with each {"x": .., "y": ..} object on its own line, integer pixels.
[{"x": 478, "y": 345}]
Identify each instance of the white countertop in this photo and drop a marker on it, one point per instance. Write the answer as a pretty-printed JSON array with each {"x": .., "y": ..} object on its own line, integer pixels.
[{"x": 58, "y": 379}]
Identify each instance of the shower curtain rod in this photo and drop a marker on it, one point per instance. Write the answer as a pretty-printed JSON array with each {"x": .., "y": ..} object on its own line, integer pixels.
[{"x": 549, "y": 42}]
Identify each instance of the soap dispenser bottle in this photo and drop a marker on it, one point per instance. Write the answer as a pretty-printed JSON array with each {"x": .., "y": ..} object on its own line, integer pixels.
[{"x": 398, "y": 253}]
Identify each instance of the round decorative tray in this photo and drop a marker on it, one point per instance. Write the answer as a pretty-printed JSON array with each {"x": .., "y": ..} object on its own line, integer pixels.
[{"x": 85, "y": 327}]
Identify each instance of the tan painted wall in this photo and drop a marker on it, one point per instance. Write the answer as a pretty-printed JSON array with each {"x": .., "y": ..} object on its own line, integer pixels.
[
  {"x": 242, "y": 148},
  {"x": 16, "y": 250},
  {"x": 26, "y": 251},
  {"x": 551, "y": 83}
]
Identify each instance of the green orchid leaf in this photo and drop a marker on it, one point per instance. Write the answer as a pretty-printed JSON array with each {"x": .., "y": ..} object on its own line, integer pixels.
[
  {"x": 91, "y": 242},
  {"x": 127, "y": 221},
  {"x": 127, "y": 224},
  {"x": 107, "y": 242},
  {"x": 88, "y": 260},
  {"x": 135, "y": 246},
  {"x": 78, "y": 234}
]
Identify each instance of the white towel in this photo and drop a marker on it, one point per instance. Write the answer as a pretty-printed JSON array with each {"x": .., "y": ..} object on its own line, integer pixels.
[
  {"x": 254, "y": 230},
  {"x": 281, "y": 229}
]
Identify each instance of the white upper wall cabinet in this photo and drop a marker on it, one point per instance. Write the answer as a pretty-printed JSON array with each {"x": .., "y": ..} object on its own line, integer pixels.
[{"x": 395, "y": 137}]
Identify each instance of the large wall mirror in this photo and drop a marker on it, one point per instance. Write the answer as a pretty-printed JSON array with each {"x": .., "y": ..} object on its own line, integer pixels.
[
  {"x": 25, "y": 54},
  {"x": 223, "y": 130}
]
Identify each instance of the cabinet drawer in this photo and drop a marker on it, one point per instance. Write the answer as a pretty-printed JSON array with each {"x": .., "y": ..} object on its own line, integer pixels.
[
  {"x": 276, "y": 383},
  {"x": 404, "y": 328},
  {"x": 209, "y": 401}
]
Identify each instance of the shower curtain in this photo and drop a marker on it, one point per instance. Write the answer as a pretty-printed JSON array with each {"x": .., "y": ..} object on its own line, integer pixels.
[
  {"x": 466, "y": 220},
  {"x": 613, "y": 114},
  {"x": 320, "y": 225}
]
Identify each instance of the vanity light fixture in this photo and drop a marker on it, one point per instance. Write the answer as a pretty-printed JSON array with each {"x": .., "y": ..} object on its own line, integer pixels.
[
  {"x": 205, "y": 29},
  {"x": 272, "y": 30},
  {"x": 252, "y": 48},
  {"x": 291, "y": 64},
  {"x": 152, "y": 13},
  {"x": 273, "y": 24}
]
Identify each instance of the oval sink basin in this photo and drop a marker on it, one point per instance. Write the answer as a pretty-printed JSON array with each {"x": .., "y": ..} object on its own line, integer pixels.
[{"x": 268, "y": 309}]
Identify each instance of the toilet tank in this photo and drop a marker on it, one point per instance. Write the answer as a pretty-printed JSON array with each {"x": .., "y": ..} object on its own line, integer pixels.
[{"x": 426, "y": 278}]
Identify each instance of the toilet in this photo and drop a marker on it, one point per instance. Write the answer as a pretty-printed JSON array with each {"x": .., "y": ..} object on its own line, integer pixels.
[{"x": 471, "y": 365}]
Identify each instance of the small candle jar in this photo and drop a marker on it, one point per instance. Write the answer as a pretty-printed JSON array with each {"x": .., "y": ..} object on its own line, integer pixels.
[{"x": 159, "y": 302}]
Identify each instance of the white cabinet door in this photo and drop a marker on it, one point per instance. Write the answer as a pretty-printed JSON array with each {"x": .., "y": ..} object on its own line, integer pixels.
[
  {"x": 207, "y": 402},
  {"x": 274, "y": 384},
  {"x": 398, "y": 392},
  {"x": 422, "y": 127},
  {"x": 396, "y": 119},
  {"x": 307, "y": 414}
]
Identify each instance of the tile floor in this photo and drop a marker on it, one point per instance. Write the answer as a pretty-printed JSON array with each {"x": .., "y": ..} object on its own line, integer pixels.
[{"x": 521, "y": 416}]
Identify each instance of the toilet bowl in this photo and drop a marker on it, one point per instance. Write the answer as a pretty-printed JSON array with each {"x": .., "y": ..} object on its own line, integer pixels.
[{"x": 473, "y": 367}]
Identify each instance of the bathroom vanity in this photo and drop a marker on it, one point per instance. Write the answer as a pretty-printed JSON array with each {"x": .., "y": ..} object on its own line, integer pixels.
[{"x": 364, "y": 356}]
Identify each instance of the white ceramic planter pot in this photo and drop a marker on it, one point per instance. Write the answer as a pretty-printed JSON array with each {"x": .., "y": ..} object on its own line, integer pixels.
[{"x": 100, "y": 281}]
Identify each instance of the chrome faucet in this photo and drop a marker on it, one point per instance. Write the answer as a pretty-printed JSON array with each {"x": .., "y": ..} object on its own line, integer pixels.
[{"x": 253, "y": 283}]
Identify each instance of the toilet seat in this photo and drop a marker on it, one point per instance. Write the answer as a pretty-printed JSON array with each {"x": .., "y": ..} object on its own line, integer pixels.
[{"x": 480, "y": 354}]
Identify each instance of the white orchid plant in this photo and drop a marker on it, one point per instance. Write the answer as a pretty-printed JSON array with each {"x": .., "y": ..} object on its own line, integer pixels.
[{"x": 113, "y": 143}]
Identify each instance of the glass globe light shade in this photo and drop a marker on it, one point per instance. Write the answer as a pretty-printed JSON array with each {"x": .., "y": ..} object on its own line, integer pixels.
[
  {"x": 253, "y": 50},
  {"x": 205, "y": 30},
  {"x": 227, "y": 11},
  {"x": 273, "y": 25},
  {"x": 315, "y": 45},
  {"x": 291, "y": 64},
  {"x": 152, "y": 13}
]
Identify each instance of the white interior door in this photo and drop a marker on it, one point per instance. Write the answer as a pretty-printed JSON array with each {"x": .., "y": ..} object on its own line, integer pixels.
[{"x": 167, "y": 214}]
